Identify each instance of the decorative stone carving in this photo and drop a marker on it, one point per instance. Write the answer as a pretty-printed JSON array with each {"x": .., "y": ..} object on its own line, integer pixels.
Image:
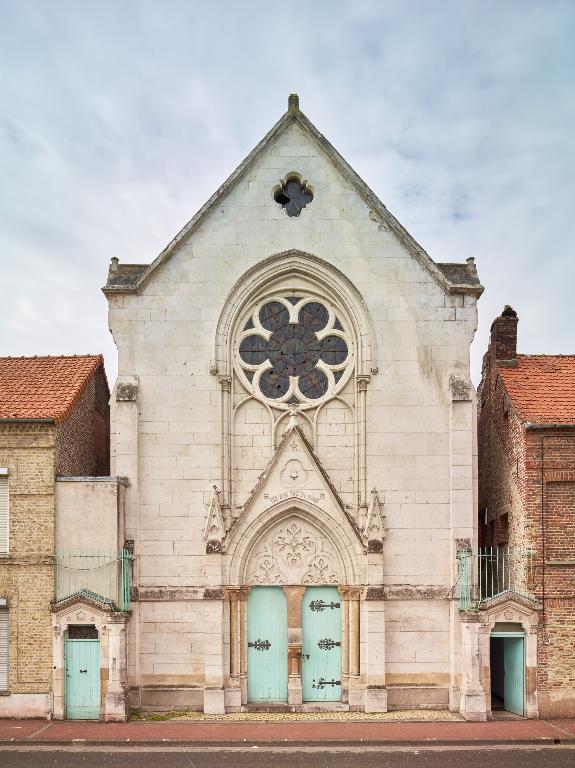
[
  {"x": 293, "y": 474},
  {"x": 293, "y": 543},
  {"x": 461, "y": 388},
  {"x": 215, "y": 529},
  {"x": 127, "y": 393},
  {"x": 320, "y": 571},
  {"x": 293, "y": 552},
  {"x": 374, "y": 529},
  {"x": 266, "y": 569}
]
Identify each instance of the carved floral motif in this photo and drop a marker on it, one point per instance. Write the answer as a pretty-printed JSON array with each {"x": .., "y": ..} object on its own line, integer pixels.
[
  {"x": 293, "y": 543},
  {"x": 293, "y": 553}
]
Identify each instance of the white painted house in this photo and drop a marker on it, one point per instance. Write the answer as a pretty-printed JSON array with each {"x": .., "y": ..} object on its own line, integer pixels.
[{"x": 295, "y": 421}]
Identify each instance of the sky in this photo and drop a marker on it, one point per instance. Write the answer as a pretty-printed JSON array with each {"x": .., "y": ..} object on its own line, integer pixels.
[{"x": 118, "y": 120}]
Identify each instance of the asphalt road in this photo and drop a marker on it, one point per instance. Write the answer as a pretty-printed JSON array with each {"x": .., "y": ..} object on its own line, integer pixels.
[{"x": 287, "y": 757}]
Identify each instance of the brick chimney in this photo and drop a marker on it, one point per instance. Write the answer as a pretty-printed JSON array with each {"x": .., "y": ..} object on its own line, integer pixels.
[{"x": 504, "y": 335}]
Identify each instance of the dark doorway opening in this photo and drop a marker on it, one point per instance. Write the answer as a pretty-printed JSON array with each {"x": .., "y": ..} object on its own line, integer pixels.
[{"x": 497, "y": 674}]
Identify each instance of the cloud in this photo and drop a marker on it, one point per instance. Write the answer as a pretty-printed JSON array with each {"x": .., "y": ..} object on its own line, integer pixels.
[{"x": 118, "y": 120}]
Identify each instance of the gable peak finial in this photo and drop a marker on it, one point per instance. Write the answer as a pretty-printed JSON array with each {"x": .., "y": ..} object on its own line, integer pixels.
[{"x": 293, "y": 102}]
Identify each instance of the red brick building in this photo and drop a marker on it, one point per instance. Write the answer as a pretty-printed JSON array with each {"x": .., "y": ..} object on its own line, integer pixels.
[{"x": 527, "y": 494}]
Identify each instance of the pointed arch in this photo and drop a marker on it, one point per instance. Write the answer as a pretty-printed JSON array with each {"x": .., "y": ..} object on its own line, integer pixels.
[
  {"x": 300, "y": 269},
  {"x": 245, "y": 538}
]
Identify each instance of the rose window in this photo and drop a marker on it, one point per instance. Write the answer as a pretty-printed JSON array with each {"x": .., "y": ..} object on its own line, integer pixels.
[{"x": 293, "y": 350}]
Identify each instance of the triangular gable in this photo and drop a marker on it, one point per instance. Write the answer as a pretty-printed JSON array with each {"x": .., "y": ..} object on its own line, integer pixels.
[
  {"x": 456, "y": 278},
  {"x": 497, "y": 606},
  {"x": 86, "y": 598},
  {"x": 295, "y": 473}
]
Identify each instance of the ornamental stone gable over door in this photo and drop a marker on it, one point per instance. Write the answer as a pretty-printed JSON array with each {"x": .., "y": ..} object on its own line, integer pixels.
[{"x": 294, "y": 528}]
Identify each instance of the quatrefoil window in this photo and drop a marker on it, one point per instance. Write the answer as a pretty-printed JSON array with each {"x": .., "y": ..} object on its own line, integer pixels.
[
  {"x": 293, "y": 195},
  {"x": 293, "y": 350}
]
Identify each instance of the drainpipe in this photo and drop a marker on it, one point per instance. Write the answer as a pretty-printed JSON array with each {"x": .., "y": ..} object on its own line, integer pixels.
[{"x": 545, "y": 639}]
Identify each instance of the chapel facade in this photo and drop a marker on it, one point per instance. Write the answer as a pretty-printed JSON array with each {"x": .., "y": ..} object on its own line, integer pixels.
[{"x": 295, "y": 423}]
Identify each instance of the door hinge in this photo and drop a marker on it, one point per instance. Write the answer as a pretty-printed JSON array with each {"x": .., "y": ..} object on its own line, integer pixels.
[
  {"x": 326, "y": 644},
  {"x": 319, "y": 605},
  {"x": 260, "y": 645},
  {"x": 321, "y": 683}
]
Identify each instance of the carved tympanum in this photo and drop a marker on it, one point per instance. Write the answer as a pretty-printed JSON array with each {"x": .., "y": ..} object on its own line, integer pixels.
[{"x": 294, "y": 552}]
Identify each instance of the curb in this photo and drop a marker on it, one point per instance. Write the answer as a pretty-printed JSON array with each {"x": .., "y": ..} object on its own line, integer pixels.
[{"x": 248, "y": 743}]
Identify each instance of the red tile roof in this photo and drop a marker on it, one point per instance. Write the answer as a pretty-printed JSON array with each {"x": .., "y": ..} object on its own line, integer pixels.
[
  {"x": 44, "y": 387},
  {"x": 542, "y": 388}
]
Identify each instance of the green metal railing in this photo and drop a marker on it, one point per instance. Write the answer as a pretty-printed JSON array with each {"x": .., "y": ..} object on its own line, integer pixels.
[
  {"x": 494, "y": 571},
  {"x": 103, "y": 576}
]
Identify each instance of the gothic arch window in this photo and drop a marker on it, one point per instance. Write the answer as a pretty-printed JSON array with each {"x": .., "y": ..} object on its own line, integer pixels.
[{"x": 293, "y": 350}]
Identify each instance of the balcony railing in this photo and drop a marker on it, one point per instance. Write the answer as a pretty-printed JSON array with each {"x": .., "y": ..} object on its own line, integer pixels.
[
  {"x": 494, "y": 571},
  {"x": 102, "y": 576}
]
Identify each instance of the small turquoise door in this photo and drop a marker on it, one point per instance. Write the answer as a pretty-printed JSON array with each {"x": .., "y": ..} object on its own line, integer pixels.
[
  {"x": 321, "y": 644},
  {"x": 82, "y": 659},
  {"x": 514, "y": 674},
  {"x": 267, "y": 644}
]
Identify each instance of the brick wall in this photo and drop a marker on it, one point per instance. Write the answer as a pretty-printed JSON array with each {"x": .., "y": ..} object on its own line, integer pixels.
[
  {"x": 501, "y": 464},
  {"x": 529, "y": 475},
  {"x": 27, "y": 574},
  {"x": 550, "y": 465},
  {"x": 83, "y": 440}
]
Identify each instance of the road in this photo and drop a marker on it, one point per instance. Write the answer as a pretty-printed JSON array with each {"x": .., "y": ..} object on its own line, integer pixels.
[{"x": 316, "y": 756}]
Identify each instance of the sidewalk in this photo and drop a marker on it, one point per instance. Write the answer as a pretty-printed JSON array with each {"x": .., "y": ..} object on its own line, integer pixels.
[{"x": 206, "y": 732}]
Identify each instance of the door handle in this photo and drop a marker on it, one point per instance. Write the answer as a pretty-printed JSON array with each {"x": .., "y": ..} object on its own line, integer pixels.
[{"x": 83, "y": 670}]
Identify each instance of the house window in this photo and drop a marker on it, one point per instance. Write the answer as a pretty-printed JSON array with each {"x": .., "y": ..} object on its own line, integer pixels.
[
  {"x": 3, "y": 646},
  {"x": 4, "y": 527}
]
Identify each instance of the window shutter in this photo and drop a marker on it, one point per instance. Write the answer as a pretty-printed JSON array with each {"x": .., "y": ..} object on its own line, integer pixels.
[
  {"x": 4, "y": 528},
  {"x": 3, "y": 650}
]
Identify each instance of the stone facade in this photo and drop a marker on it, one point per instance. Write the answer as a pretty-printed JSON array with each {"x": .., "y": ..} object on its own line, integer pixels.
[
  {"x": 34, "y": 451},
  {"x": 367, "y": 484},
  {"x": 526, "y": 500}
]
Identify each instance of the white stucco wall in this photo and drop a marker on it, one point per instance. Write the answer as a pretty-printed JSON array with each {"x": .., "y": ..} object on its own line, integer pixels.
[{"x": 89, "y": 514}]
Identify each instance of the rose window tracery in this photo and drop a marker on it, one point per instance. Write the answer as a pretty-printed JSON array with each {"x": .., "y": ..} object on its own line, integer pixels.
[{"x": 293, "y": 350}]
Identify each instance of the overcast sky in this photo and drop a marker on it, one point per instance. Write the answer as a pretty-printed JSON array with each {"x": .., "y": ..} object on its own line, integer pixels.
[{"x": 118, "y": 120}]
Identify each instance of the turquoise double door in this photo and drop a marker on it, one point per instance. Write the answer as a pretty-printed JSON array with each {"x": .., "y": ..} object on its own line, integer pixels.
[
  {"x": 267, "y": 657},
  {"x": 82, "y": 665}
]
